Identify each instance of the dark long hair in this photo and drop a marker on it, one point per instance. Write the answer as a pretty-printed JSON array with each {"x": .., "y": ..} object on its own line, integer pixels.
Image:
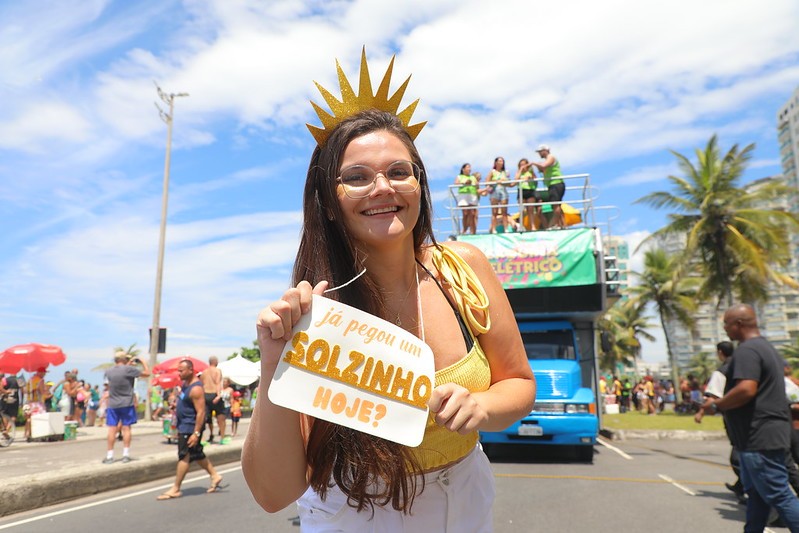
[{"x": 370, "y": 470}]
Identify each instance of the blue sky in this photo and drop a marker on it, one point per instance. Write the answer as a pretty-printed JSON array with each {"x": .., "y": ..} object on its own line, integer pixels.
[{"x": 612, "y": 86}]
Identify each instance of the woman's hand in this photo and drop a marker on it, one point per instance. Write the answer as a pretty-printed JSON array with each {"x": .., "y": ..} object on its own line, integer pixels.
[
  {"x": 276, "y": 321},
  {"x": 456, "y": 409}
]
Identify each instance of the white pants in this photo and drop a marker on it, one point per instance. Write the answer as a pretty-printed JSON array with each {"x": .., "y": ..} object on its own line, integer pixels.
[{"x": 455, "y": 500}]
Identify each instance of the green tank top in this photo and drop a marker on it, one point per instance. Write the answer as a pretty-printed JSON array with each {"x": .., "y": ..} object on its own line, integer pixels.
[
  {"x": 468, "y": 184},
  {"x": 529, "y": 181},
  {"x": 552, "y": 172},
  {"x": 498, "y": 178}
]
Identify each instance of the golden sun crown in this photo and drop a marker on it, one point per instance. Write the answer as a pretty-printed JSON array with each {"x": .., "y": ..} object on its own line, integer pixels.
[{"x": 351, "y": 103}]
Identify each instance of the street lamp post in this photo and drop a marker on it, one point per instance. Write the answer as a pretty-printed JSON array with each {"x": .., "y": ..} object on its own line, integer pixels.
[{"x": 155, "y": 333}]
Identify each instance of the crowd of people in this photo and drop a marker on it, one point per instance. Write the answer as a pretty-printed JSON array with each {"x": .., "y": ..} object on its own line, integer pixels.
[
  {"x": 116, "y": 403},
  {"x": 647, "y": 395},
  {"x": 531, "y": 194},
  {"x": 79, "y": 401}
]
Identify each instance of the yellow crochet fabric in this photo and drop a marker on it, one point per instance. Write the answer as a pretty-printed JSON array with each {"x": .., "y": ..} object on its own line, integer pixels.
[{"x": 441, "y": 446}]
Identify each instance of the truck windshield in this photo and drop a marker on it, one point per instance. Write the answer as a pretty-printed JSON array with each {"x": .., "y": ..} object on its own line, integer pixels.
[{"x": 553, "y": 344}]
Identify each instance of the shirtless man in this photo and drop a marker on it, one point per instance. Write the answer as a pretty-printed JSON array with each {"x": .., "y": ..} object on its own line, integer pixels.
[{"x": 211, "y": 379}]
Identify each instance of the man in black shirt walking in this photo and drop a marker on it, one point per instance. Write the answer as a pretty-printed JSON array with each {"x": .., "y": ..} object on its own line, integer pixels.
[{"x": 758, "y": 421}]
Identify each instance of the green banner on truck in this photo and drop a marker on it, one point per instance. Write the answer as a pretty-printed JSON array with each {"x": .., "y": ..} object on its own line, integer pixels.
[{"x": 539, "y": 259}]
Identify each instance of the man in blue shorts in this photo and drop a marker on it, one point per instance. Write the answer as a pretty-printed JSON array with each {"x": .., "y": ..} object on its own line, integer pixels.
[{"x": 121, "y": 409}]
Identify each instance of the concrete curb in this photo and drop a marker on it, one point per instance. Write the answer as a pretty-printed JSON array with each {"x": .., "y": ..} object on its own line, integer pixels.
[
  {"x": 675, "y": 434},
  {"x": 33, "y": 491}
]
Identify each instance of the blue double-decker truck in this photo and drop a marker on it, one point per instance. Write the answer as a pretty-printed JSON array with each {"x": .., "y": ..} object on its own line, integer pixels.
[{"x": 557, "y": 284}]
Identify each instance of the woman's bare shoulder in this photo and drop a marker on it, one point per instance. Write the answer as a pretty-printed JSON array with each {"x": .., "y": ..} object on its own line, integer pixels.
[{"x": 471, "y": 254}]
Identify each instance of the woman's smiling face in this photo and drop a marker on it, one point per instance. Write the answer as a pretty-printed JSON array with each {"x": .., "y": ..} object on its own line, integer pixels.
[{"x": 385, "y": 214}]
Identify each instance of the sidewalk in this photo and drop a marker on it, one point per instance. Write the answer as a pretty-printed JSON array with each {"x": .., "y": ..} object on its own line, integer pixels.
[
  {"x": 36, "y": 474},
  {"x": 660, "y": 434}
]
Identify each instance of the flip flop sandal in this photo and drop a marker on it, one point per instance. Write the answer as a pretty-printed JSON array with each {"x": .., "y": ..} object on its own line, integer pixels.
[{"x": 216, "y": 486}]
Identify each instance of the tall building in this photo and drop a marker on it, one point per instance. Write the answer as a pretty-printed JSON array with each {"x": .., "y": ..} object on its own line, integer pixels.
[
  {"x": 779, "y": 315},
  {"x": 617, "y": 247},
  {"x": 788, "y": 138}
]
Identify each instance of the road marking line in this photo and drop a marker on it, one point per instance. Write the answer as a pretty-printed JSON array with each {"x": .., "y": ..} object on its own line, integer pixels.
[
  {"x": 605, "y": 478},
  {"x": 681, "y": 487},
  {"x": 111, "y": 500},
  {"x": 614, "y": 449}
]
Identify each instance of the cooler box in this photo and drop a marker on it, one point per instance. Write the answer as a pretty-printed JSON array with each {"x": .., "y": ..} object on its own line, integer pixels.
[
  {"x": 47, "y": 424},
  {"x": 70, "y": 430},
  {"x": 612, "y": 409}
]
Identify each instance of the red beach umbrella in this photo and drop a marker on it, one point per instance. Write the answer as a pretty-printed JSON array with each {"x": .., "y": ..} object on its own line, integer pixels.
[
  {"x": 166, "y": 381},
  {"x": 171, "y": 365},
  {"x": 30, "y": 357}
]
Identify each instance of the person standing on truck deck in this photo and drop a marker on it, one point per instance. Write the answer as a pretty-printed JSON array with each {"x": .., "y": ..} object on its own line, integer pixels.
[
  {"x": 550, "y": 168},
  {"x": 467, "y": 198},
  {"x": 528, "y": 184},
  {"x": 756, "y": 411},
  {"x": 497, "y": 188},
  {"x": 368, "y": 230},
  {"x": 190, "y": 419}
]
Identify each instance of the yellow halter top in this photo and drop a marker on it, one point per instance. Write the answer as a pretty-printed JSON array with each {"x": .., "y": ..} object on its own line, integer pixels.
[{"x": 441, "y": 446}]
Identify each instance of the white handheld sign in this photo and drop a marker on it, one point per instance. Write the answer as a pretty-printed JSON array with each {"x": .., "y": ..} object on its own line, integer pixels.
[{"x": 357, "y": 370}]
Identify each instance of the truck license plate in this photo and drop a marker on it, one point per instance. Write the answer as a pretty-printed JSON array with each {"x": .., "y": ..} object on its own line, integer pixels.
[{"x": 531, "y": 431}]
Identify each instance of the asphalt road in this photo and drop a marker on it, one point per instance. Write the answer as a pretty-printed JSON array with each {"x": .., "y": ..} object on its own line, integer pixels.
[{"x": 671, "y": 485}]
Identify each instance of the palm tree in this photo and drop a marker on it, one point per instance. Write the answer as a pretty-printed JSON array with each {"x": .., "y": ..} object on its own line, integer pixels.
[
  {"x": 131, "y": 351},
  {"x": 625, "y": 324},
  {"x": 251, "y": 354},
  {"x": 730, "y": 237},
  {"x": 702, "y": 365},
  {"x": 674, "y": 296},
  {"x": 791, "y": 353},
  {"x": 612, "y": 342}
]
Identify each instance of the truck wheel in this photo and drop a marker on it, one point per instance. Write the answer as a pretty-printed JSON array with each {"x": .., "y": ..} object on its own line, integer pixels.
[{"x": 585, "y": 453}]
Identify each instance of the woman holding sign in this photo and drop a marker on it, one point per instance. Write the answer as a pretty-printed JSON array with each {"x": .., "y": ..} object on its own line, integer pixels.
[{"x": 368, "y": 236}]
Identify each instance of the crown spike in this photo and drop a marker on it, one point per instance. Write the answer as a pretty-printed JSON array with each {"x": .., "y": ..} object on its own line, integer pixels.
[
  {"x": 382, "y": 90},
  {"x": 394, "y": 102},
  {"x": 365, "y": 83},
  {"x": 318, "y": 133},
  {"x": 347, "y": 94},
  {"x": 414, "y": 130},
  {"x": 327, "y": 119},
  {"x": 351, "y": 104},
  {"x": 405, "y": 115},
  {"x": 331, "y": 100}
]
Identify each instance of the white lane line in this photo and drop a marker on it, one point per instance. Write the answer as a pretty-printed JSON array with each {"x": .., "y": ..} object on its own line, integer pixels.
[
  {"x": 613, "y": 448},
  {"x": 681, "y": 487},
  {"x": 111, "y": 500}
]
